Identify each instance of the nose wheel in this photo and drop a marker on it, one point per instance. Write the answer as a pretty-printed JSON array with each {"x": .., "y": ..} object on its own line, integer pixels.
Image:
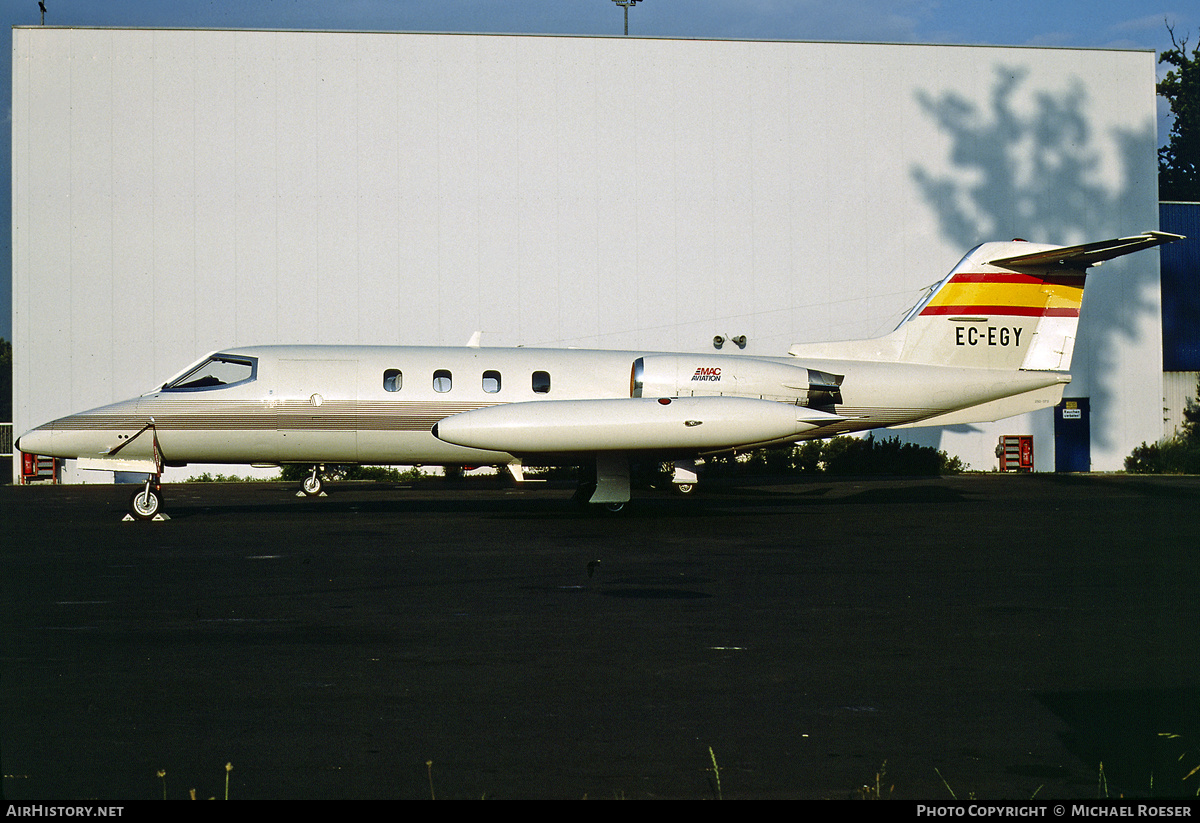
[
  {"x": 146, "y": 502},
  {"x": 311, "y": 487}
]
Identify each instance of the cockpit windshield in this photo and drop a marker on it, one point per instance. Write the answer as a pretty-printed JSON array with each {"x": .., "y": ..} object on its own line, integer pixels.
[{"x": 218, "y": 371}]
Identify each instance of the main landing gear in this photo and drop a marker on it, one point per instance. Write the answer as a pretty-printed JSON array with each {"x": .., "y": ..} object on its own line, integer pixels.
[
  {"x": 607, "y": 484},
  {"x": 685, "y": 476}
]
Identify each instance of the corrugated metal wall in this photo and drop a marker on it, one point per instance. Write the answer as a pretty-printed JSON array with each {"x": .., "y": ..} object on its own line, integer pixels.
[
  {"x": 1181, "y": 288},
  {"x": 1179, "y": 389}
]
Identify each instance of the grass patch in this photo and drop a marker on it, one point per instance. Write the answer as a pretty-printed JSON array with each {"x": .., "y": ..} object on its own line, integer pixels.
[{"x": 161, "y": 774}]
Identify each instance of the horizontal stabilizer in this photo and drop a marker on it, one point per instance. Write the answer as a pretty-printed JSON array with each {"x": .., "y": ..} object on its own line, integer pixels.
[
  {"x": 1089, "y": 254},
  {"x": 1045, "y": 397}
]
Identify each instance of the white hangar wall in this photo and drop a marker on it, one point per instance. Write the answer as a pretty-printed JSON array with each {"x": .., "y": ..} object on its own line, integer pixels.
[{"x": 177, "y": 192}]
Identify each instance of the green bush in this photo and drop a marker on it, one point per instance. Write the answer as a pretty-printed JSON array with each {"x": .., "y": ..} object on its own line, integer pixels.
[
  {"x": 848, "y": 456},
  {"x": 1174, "y": 455},
  {"x": 295, "y": 472},
  {"x": 839, "y": 456}
]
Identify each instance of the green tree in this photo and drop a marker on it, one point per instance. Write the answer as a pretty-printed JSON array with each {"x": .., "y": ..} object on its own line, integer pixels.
[
  {"x": 1191, "y": 419},
  {"x": 1179, "y": 160}
]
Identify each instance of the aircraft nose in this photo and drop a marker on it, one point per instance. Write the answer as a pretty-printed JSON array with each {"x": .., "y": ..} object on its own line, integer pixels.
[{"x": 36, "y": 441}]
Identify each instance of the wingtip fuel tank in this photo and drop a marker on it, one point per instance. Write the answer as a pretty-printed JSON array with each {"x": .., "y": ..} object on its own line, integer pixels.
[{"x": 629, "y": 424}]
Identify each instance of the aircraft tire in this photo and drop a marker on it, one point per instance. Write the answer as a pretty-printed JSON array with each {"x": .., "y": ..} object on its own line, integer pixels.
[
  {"x": 144, "y": 505},
  {"x": 312, "y": 485}
]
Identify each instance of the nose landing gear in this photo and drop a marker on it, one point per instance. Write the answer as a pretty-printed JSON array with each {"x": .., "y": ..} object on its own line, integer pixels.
[
  {"x": 311, "y": 486},
  {"x": 146, "y": 502}
]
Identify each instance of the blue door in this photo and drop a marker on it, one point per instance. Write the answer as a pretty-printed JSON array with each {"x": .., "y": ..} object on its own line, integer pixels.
[{"x": 1073, "y": 435}]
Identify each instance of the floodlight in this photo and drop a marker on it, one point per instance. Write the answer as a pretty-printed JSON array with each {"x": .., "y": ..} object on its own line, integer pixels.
[{"x": 625, "y": 4}]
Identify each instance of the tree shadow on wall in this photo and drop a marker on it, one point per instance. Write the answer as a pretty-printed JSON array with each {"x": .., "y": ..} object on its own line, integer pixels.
[{"x": 1031, "y": 167}]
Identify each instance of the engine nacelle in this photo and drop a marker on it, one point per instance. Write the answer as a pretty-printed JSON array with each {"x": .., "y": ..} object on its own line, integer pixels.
[{"x": 695, "y": 375}]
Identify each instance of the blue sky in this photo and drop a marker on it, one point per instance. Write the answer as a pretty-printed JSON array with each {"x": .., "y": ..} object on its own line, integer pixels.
[{"x": 1125, "y": 24}]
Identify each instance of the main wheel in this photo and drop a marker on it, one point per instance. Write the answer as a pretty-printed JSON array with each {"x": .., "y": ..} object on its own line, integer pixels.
[{"x": 145, "y": 504}]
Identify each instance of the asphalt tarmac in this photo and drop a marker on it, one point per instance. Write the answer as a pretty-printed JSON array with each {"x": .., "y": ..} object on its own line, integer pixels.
[{"x": 991, "y": 636}]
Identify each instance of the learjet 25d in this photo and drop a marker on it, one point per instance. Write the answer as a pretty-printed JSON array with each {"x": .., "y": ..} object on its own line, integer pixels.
[{"x": 991, "y": 340}]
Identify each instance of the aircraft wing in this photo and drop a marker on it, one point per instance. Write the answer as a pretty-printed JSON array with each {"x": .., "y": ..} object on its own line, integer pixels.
[{"x": 1089, "y": 254}]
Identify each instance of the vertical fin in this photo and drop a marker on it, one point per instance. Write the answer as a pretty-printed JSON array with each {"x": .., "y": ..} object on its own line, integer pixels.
[{"x": 1010, "y": 305}]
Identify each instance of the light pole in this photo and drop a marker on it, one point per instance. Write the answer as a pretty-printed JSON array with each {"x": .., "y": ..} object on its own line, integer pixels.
[{"x": 625, "y": 4}]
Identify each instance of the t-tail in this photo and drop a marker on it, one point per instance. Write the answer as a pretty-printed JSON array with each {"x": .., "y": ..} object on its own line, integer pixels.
[{"x": 1008, "y": 305}]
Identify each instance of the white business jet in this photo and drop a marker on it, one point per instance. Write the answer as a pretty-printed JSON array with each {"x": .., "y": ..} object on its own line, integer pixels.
[{"x": 993, "y": 339}]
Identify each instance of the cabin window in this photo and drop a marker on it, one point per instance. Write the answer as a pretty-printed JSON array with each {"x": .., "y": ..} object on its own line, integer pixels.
[
  {"x": 491, "y": 381},
  {"x": 392, "y": 380},
  {"x": 216, "y": 372},
  {"x": 541, "y": 382},
  {"x": 441, "y": 380}
]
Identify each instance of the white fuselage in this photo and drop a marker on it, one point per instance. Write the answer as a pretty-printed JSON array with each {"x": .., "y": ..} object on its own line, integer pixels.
[{"x": 378, "y": 405}]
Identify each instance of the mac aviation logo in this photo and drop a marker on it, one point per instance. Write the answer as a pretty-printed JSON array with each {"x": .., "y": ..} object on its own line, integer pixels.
[{"x": 706, "y": 374}]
